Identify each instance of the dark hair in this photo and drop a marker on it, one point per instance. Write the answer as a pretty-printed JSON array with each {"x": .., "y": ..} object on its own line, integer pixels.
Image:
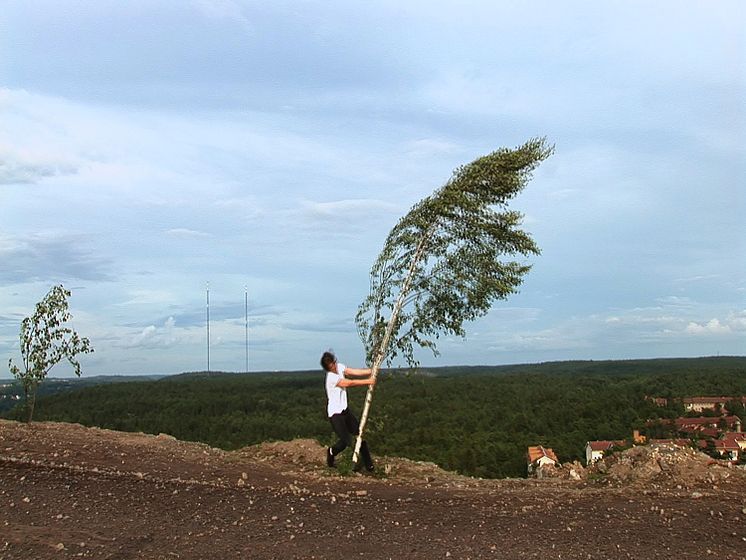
[{"x": 327, "y": 359}]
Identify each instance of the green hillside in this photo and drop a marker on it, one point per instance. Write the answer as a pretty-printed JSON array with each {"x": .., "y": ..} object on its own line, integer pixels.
[{"x": 476, "y": 420}]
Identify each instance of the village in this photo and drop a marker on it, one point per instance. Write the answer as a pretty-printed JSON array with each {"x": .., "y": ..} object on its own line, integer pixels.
[{"x": 716, "y": 432}]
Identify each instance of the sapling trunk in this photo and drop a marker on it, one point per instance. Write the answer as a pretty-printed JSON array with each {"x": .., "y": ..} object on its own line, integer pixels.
[{"x": 382, "y": 349}]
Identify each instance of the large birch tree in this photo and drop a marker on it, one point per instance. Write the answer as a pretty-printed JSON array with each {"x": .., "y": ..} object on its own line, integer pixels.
[{"x": 448, "y": 260}]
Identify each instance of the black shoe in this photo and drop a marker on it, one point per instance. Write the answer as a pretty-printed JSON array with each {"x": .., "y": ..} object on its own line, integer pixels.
[
  {"x": 359, "y": 467},
  {"x": 329, "y": 457}
]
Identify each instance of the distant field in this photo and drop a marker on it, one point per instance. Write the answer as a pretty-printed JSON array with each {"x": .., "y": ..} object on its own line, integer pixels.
[{"x": 476, "y": 420}]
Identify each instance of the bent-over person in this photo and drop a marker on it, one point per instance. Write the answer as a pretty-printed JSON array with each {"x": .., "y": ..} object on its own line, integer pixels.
[{"x": 344, "y": 422}]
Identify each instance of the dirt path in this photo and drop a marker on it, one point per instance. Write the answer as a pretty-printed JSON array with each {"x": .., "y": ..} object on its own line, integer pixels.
[{"x": 73, "y": 492}]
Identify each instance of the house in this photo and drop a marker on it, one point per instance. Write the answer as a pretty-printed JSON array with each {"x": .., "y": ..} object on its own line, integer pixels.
[
  {"x": 708, "y": 426},
  {"x": 731, "y": 445},
  {"x": 660, "y": 401},
  {"x": 595, "y": 450},
  {"x": 698, "y": 404},
  {"x": 539, "y": 457}
]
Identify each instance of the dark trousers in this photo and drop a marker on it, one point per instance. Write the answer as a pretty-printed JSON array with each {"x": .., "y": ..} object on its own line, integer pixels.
[{"x": 346, "y": 426}]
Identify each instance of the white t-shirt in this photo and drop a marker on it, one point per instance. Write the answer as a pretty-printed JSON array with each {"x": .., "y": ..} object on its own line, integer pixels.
[{"x": 336, "y": 396}]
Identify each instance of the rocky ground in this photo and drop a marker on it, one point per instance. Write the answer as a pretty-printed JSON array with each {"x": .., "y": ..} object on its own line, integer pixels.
[{"x": 72, "y": 492}]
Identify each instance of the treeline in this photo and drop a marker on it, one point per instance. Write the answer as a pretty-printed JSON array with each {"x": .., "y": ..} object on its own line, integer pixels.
[
  {"x": 478, "y": 421},
  {"x": 10, "y": 390}
]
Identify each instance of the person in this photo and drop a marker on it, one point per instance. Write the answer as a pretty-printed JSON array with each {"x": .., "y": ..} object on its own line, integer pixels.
[{"x": 344, "y": 423}]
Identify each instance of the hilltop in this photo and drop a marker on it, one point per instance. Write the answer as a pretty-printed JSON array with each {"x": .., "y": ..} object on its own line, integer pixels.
[
  {"x": 477, "y": 421},
  {"x": 73, "y": 492}
]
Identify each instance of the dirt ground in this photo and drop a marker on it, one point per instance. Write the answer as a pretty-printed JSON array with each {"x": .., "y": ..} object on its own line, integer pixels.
[{"x": 67, "y": 491}]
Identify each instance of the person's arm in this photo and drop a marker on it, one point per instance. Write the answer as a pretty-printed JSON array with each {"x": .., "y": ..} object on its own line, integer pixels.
[
  {"x": 355, "y": 382},
  {"x": 357, "y": 372}
]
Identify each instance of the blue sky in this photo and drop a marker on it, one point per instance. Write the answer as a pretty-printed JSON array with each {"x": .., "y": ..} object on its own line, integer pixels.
[{"x": 147, "y": 148}]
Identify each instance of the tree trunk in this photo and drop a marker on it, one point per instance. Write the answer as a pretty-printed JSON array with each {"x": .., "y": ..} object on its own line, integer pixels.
[
  {"x": 30, "y": 406},
  {"x": 381, "y": 354}
]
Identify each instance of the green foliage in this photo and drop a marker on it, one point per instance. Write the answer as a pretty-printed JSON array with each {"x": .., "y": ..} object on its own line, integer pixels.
[
  {"x": 736, "y": 408},
  {"x": 441, "y": 264},
  {"x": 477, "y": 421},
  {"x": 45, "y": 341}
]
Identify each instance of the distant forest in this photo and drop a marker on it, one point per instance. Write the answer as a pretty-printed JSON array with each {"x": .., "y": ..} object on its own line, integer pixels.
[{"x": 475, "y": 420}]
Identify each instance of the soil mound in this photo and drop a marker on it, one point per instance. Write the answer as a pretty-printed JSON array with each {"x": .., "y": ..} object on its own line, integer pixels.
[
  {"x": 666, "y": 465},
  {"x": 308, "y": 456}
]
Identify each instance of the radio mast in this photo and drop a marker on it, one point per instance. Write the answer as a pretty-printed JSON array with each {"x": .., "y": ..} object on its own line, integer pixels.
[
  {"x": 208, "y": 327},
  {"x": 246, "y": 311}
]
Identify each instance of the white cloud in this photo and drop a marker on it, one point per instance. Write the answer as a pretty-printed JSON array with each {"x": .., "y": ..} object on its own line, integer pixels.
[
  {"x": 737, "y": 321},
  {"x": 27, "y": 167},
  {"x": 734, "y": 323},
  {"x": 165, "y": 336},
  {"x": 711, "y": 327}
]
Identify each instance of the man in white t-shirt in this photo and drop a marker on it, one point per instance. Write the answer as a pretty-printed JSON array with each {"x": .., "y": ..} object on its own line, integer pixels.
[{"x": 338, "y": 378}]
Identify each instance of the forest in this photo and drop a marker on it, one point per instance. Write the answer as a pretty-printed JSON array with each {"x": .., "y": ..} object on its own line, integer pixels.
[{"x": 478, "y": 421}]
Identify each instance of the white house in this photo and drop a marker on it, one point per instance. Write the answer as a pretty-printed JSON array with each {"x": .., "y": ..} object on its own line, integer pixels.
[{"x": 595, "y": 450}]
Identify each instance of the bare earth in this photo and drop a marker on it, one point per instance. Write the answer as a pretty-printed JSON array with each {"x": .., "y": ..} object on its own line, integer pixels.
[{"x": 72, "y": 492}]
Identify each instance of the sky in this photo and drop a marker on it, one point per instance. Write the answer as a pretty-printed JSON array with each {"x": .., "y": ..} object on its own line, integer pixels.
[{"x": 148, "y": 148}]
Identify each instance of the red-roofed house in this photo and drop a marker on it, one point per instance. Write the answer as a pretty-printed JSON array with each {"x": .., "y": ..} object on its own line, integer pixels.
[
  {"x": 731, "y": 445},
  {"x": 539, "y": 456},
  {"x": 709, "y": 426}
]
